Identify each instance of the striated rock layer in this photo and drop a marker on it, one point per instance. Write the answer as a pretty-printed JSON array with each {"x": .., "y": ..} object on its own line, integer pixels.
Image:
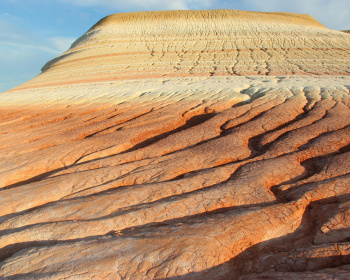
[
  {"x": 181, "y": 145},
  {"x": 200, "y": 43}
]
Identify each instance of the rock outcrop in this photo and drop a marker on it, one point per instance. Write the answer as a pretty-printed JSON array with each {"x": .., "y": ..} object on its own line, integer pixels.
[
  {"x": 200, "y": 43},
  {"x": 181, "y": 145}
]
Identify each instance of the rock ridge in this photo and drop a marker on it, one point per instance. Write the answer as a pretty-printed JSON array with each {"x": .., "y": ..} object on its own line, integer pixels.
[{"x": 198, "y": 43}]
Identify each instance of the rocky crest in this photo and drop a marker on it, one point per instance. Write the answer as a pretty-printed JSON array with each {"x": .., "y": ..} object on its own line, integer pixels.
[
  {"x": 181, "y": 145},
  {"x": 199, "y": 43}
]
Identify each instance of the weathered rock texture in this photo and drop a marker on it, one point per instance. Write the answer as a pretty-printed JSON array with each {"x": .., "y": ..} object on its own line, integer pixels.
[
  {"x": 201, "y": 43},
  {"x": 147, "y": 152}
]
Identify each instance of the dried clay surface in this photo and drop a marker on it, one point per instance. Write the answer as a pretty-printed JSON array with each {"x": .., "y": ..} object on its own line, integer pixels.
[{"x": 122, "y": 173}]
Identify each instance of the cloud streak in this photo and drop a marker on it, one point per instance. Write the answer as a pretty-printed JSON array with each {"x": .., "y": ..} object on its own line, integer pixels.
[{"x": 23, "y": 53}]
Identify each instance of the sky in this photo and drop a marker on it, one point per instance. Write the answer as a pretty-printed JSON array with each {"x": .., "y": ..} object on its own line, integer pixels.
[{"x": 33, "y": 32}]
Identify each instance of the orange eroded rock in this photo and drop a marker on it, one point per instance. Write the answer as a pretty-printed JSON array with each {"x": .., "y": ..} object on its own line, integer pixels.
[{"x": 181, "y": 145}]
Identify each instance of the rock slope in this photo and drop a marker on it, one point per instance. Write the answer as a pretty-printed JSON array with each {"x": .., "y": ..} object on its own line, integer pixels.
[
  {"x": 181, "y": 145},
  {"x": 201, "y": 43}
]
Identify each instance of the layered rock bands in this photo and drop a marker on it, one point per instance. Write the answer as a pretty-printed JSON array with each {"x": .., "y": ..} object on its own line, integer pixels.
[{"x": 181, "y": 145}]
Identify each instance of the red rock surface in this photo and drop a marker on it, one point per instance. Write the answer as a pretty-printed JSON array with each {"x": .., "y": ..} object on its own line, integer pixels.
[{"x": 154, "y": 172}]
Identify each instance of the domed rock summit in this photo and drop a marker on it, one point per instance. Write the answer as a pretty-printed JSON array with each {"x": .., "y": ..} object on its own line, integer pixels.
[{"x": 181, "y": 145}]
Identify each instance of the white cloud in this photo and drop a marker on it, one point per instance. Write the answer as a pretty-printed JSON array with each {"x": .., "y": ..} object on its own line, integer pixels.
[
  {"x": 12, "y": 17},
  {"x": 17, "y": 37},
  {"x": 333, "y": 14},
  {"x": 23, "y": 53},
  {"x": 19, "y": 63},
  {"x": 142, "y": 5},
  {"x": 61, "y": 44}
]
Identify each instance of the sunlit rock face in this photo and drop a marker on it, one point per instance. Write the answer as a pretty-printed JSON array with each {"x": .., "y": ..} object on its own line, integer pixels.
[
  {"x": 199, "y": 43},
  {"x": 181, "y": 145}
]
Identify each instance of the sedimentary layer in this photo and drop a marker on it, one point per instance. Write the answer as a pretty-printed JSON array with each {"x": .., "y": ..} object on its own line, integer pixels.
[
  {"x": 192, "y": 175},
  {"x": 201, "y": 43}
]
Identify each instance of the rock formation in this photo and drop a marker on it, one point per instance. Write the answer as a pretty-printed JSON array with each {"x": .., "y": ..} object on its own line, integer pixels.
[{"x": 181, "y": 145}]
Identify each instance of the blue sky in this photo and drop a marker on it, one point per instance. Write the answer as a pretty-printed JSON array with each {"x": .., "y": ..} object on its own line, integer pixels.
[{"x": 35, "y": 31}]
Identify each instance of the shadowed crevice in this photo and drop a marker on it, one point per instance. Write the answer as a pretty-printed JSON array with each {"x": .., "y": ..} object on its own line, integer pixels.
[
  {"x": 135, "y": 231},
  {"x": 9, "y": 250},
  {"x": 255, "y": 142},
  {"x": 118, "y": 124},
  {"x": 267, "y": 255},
  {"x": 33, "y": 179},
  {"x": 192, "y": 122}
]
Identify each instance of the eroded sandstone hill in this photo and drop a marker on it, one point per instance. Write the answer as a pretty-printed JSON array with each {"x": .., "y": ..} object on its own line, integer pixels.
[{"x": 181, "y": 145}]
